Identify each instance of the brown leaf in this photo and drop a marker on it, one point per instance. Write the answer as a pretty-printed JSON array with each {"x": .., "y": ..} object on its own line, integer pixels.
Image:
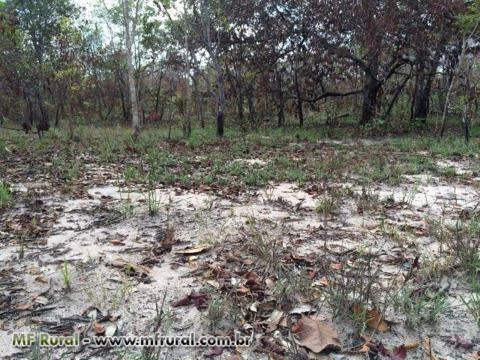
[
  {"x": 458, "y": 342},
  {"x": 427, "y": 348},
  {"x": 42, "y": 279},
  {"x": 316, "y": 335},
  {"x": 411, "y": 346},
  {"x": 185, "y": 301},
  {"x": 270, "y": 346},
  {"x": 213, "y": 351},
  {"x": 243, "y": 290},
  {"x": 251, "y": 276},
  {"x": 336, "y": 266},
  {"x": 197, "y": 299},
  {"x": 475, "y": 356},
  {"x": 399, "y": 353},
  {"x": 23, "y": 307},
  {"x": 98, "y": 329},
  {"x": 375, "y": 321},
  {"x": 193, "y": 251},
  {"x": 312, "y": 273},
  {"x": 117, "y": 242},
  {"x": 374, "y": 318}
]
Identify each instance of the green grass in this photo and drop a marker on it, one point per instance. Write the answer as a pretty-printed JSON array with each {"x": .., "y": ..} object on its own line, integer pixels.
[
  {"x": 292, "y": 154},
  {"x": 420, "y": 309},
  {"x": 5, "y": 195}
]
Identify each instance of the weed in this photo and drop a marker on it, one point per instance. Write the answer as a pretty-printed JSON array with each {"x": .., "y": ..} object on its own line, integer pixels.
[
  {"x": 461, "y": 241},
  {"x": 126, "y": 209},
  {"x": 267, "y": 249},
  {"x": 420, "y": 306},
  {"x": 355, "y": 283},
  {"x": 163, "y": 317},
  {"x": 66, "y": 276},
  {"x": 367, "y": 201},
  {"x": 327, "y": 205},
  {"x": 473, "y": 303},
  {"x": 5, "y": 195},
  {"x": 153, "y": 203},
  {"x": 216, "y": 312}
]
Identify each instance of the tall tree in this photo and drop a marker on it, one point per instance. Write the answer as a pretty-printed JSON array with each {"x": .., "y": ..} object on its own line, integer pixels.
[{"x": 130, "y": 28}]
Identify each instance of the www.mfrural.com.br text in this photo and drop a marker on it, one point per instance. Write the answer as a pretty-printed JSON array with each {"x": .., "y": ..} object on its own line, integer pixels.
[{"x": 157, "y": 340}]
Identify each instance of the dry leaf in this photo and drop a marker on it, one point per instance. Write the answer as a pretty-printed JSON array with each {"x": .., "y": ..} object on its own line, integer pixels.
[
  {"x": 23, "y": 307},
  {"x": 411, "y": 346},
  {"x": 316, "y": 335},
  {"x": 427, "y": 348},
  {"x": 374, "y": 318},
  {"x": 274, "y": 320},
  {"x": 194, "y": 251},
  {"x": 117, "y": 242},
  {"x": 375, "y": 321},
  {"x": 399, "y": 353},
  {"x": 42, "y": 279},
  {"x": 336, "y": 266},
  {"x": 98, "y": 329},
  {"x": 214, "y": 284}
]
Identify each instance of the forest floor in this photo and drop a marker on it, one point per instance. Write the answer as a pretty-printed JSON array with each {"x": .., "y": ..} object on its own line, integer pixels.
[{"x": 315, "y": 248}]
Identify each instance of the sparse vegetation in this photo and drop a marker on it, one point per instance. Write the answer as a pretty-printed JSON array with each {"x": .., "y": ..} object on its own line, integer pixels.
[{"x": 5, "y": 195}]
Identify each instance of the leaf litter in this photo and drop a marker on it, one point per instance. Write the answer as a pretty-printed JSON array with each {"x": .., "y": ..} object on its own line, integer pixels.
[{"x": 257, "y": 257}]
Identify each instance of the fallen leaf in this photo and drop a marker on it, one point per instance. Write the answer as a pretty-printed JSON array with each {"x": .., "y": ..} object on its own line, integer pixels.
[
  {"x": 243, "y": 290},
  {"x": 399, "y": 353},
  {"x": 427, "y": 348},
  {"x": 312, "y": 274},
  {"x": 376, "y": 321},
  {"x": 23, "y": 307},
  {"x": 374, "y": 318},
  {"x": 117, "y": 242},
  {"x": 42, "y": 279},
  {"x": 301, "y": 309},
  {"x": 336, "y": 266},
  {"x": 98, "y": 329},
  {"x": 316, "y": 335},
  {"x": 270, "y": 345},
  {"x": 194, "y": 251},
  {"x": 214, "y": 284},
  {"x": 411, "y": 346},
  {"x": 274, "y": 320},
  {"x": 197, "y": 299},
  {"x": 185, "y": 301},
  {"x": 213, "y": 351}
]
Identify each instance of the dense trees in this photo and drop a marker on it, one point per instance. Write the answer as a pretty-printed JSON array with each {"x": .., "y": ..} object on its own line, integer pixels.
[{"x": 237, "y": 63}]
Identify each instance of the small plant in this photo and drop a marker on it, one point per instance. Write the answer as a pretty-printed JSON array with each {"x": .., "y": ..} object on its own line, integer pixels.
[
  {"x": 163, "y": 317},
  {"x": 263, "y": 247},
  {"x": 126, "y": 209},
  {"x": 368, "y": 200},
  {"x": 66, "y": 276},
  {"x": 216, "y": 312},
  {"x": 326, "y": 205},
  {"x": 5, "y": 195},
  {"x": 21, "y": 251},
  {"x": 355, "y": 284},
  {"x": 473, "y": 304},
  {"x": 153, "y": 203},
  {"x": 420, "y": 307}
]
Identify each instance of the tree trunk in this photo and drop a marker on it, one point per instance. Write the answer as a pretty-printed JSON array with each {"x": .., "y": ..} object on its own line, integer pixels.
[
  {"x": 220, "y": 100},
  {"x": 299, "y": 100},
  {"x": 130, "y": 69},
  {"x": 370, "y": 99},
  {"x": 251, "y": 109},
  {"x": 281, "y": 100},
  {"x": 455, "y": 75},
  {"x": 423, "y": 89}
]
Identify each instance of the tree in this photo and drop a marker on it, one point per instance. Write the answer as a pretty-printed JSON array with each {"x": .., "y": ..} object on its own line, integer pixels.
[{"x": 130, "y": 27}]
